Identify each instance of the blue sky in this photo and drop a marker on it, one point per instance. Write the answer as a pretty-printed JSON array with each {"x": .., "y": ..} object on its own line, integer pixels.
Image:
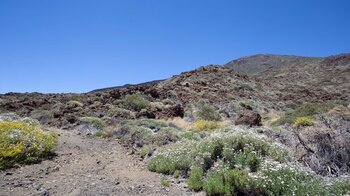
[{"x": 80, "y": 45}]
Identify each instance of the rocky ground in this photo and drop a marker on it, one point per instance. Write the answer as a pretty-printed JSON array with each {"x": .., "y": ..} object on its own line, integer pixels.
[{"x": 87, "y": 166}]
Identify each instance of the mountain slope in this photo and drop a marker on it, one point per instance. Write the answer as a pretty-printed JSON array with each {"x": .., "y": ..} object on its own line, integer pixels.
[
  {"x": 320, "y": 78},
  {"x": 258, "y": 64}
]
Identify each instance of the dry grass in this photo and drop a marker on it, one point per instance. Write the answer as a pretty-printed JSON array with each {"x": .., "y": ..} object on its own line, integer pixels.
[{"x": 179, "y": 122}]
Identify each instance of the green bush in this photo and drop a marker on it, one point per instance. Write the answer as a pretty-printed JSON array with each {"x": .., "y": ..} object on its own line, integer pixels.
[
  {"x": 185, "y": 154},
  {"x": 176, "y": 174},
  {"x": 135, "y": 102},
  {"x": 93, "y": 120},
  {"x": 306, "y": 110},
  {"x": 207, "y": 112},
  {"x": 237, "y": 180},
  {"x": 101, "y": 134},
  {"x": 148, "y": 123},
  {"x": 165, "y": 182},
  {"x": 22, "y": 143},
  {"x": 145, "y": 150},
  {"x": 239, "y": 163},
  {"x": 287, "y": 181},
  {"x": 340, "y": 188},
  {"x": 120, "y": 113},
  {"x": 214, "y": 184},
  {"x": 195, "y": 179},
  {"x": 303, "y": 121}
]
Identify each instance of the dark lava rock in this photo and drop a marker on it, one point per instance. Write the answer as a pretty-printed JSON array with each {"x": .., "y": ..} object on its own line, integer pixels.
[{"x": 249, "y": 118}]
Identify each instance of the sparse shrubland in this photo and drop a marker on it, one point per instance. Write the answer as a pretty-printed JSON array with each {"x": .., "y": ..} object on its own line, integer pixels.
[
  {"x": 306, "y": 110},
  {"x": 24, "y": 143},
  {"x": 145, "y": 134},
  {"x": 135, "y": 102}
]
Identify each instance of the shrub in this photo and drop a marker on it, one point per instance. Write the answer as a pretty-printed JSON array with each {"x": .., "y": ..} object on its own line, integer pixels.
[
  {"x": 176, "y": 173},
  {"x": 190, "y": 135},
  {"x": 306, "y": 110},
  {"x": 303, "y": 121},
  {"x": 148, "y": 123},
  {"x": 145, "y": 151},
  {"x": 121, "y": 113},
  {"x": 43, "y": 116},
  {"x": 203, "y": 125},
  {"x": 74, "y": 104},
  {"x": 214, "y": 184},
  {"x": 101, "y": 134},
  {"x": 340, "y": 188},
  {"x": 93, "y": 120},
  {"x": 287, "y": 181},
  {"x": 30, "y": 121},
  {"x": 9, "y": 117},
  {"x": 233, "y": 151},
  {"x": 136, "y": 102},
  {"x": 21, "y": 143},
  {"x": 236, "y": 180},
  {"x": 165, "y": 182},
  {"x": 207, "y": 112},
  {"x": 195, "y": 180}
]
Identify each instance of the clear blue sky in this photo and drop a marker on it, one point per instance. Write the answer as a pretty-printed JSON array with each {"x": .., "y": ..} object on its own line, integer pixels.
[{"x": 81, "y": 45}]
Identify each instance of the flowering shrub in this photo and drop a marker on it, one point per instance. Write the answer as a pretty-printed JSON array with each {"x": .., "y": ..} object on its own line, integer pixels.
[
  {"x": 303, "y": 121},
  {"x": 235, "y": 150},
  {"x": 230, "y": 163},
  {"x": 203, "y": 125},
  {"x": 22, "y": 143}
]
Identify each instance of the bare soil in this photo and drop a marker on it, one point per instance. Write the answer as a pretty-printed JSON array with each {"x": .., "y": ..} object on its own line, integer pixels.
[{"x": 87, "y": 165}]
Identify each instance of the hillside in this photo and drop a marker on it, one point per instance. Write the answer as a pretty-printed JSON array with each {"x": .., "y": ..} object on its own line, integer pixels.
[{"x": 284, "y": 113}]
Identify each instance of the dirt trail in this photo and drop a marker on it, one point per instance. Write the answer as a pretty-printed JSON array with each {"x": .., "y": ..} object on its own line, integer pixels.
[{"x": 86, "y": 166}]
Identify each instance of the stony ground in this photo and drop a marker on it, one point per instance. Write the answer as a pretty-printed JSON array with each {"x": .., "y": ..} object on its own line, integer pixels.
[{"x": 87, "y": 166}]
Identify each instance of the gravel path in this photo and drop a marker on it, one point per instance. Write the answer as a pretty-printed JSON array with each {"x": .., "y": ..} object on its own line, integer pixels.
[{"x": 86, "y": 166}]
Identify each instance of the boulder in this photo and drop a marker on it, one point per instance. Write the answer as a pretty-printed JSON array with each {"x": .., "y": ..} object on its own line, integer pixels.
[{"x": 249, "y": 118}]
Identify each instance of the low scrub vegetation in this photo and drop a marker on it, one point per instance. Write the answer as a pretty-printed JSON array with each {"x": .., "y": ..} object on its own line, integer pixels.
[
  {"x": 101, "y": 134},
  {"x": 146, "y": 133},
  {"x": 239, "y": 163},
  {"x": 303, "y": 121},
  {"x": 136, "y": 102},
  {"x": 207, "y": 112},
  {"x": 233, "y": 150},
  {"x": 306, "y": 110},
  {"x": 165, "y": 182},
  {"x": 120, "y": 113},
  {"x": 203, "y": 125},
  {"x": 24, "y": 143},
  {"x": 94, "y": 121}
]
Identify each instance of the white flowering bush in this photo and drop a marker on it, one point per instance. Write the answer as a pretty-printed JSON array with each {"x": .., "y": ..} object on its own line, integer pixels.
[{"x": 240, "y": 162}]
